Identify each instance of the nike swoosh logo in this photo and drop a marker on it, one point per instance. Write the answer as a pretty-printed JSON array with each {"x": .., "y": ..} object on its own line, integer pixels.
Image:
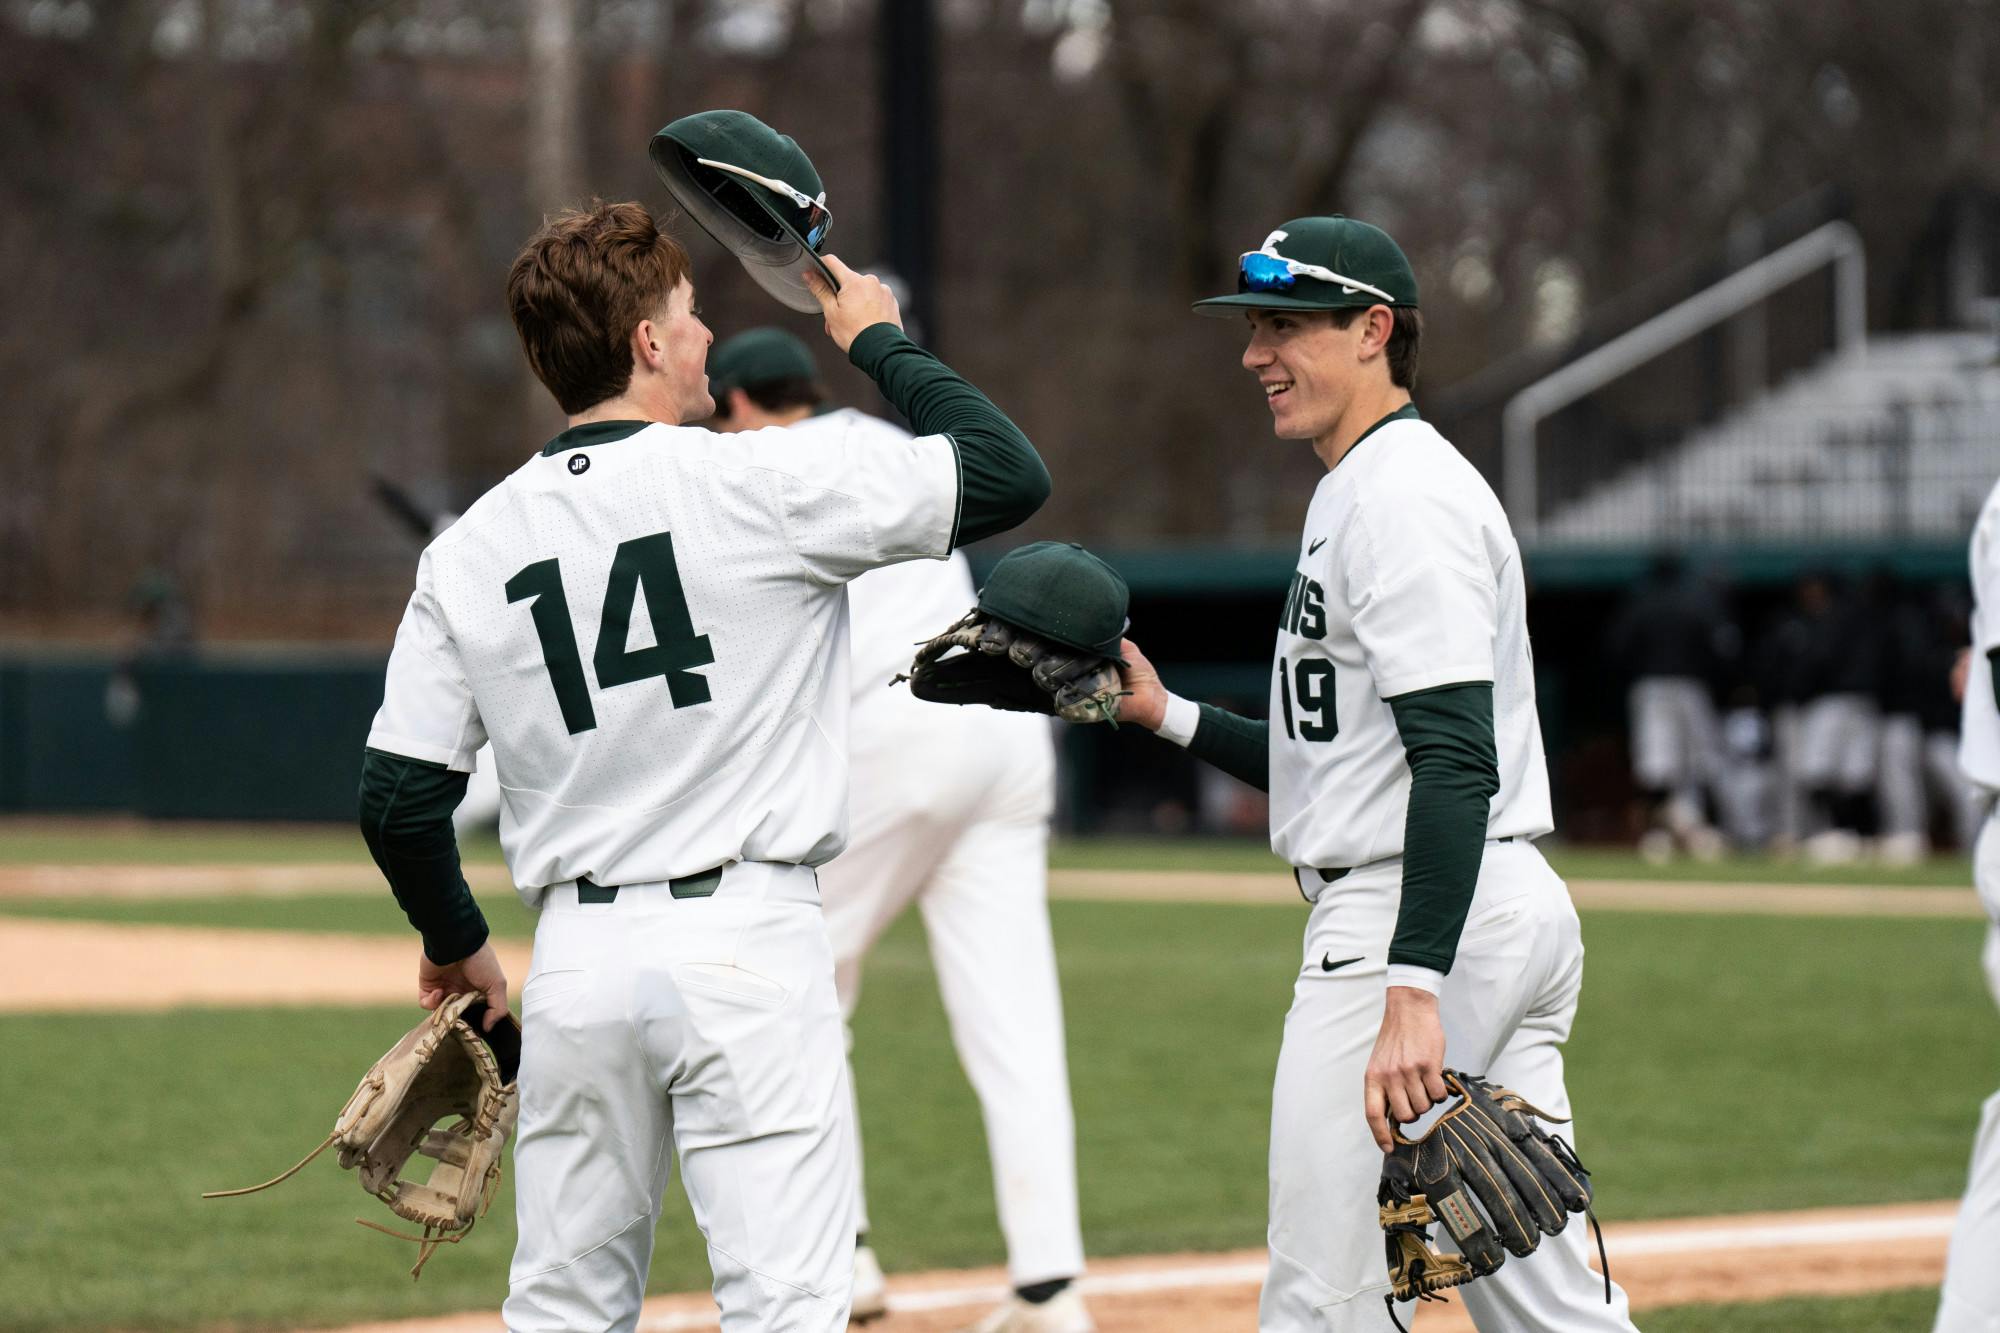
[
  {"x": 1328, "y": 964},
  {"x": 1310, "y": 550}
]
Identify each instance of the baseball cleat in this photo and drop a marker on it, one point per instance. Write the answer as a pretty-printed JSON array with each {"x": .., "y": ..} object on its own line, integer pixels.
[
  {"x": 871, "y": 1292},
  {"x": 1063, "y": 1312}
]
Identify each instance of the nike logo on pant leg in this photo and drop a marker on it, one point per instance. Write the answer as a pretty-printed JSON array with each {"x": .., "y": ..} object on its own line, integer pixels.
[{"x": 1329, "y": 964}]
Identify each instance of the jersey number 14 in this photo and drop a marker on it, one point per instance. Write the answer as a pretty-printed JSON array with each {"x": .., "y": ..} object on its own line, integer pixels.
[{"x": 647, "y": 561}]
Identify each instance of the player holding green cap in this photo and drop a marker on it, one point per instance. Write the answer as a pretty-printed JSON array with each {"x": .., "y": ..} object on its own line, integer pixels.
[{"x": 1404, "y": 762}]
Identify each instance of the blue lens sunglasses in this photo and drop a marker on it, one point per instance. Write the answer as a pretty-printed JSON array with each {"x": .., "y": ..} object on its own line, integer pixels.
[{"x": 1266, "y": 270}]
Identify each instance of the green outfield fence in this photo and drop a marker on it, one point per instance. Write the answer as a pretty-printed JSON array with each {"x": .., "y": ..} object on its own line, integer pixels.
[
  {"x": 276, "y": 732},
  {"x": 238, "y": 736}
]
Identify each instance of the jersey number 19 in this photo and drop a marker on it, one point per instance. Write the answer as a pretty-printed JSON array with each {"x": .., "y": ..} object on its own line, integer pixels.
[{"x": 647, "y": 561}]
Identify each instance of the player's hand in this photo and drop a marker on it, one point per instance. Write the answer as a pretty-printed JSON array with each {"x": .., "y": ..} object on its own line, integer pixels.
[
  {"x": 1961, "y": 668},
  {"x": 1146, "y": 705},
  {"x": 1406, "y": 1071},
  {"x": 479, "y": 973},
  {"x": 862, "y": 301}
]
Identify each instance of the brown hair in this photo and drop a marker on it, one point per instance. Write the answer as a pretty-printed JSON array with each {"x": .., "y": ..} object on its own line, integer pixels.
[
  {"x": 578, "y": 289},
  {"x": 1404, "y": 340}
]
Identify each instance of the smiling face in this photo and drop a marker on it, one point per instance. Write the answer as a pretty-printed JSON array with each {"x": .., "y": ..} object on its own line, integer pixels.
[
  {"x": 1321, "y": 381},
  {"x": 1308, "y": 368}
]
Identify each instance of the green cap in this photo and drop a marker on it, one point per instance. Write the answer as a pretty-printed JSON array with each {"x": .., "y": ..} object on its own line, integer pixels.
[
  {"x": 776, "y": 237},
  {"x": 1346, "y": 247},
  {"x": 1061, "y": 592},
  {"x": 759, "y": 356}
]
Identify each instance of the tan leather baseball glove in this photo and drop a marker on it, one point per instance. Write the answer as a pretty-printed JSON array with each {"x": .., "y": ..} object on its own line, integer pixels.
[{"x": 444, "y": 1066}]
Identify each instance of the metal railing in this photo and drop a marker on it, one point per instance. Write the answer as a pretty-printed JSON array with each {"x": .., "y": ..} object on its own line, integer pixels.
[{"x": 1834, "y": 245}]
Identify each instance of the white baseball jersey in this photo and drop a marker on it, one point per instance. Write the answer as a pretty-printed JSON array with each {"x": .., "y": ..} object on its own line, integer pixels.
[
  {"x": 1979, "y": 726},
  {"x": 650, "y": 622},
  {"x": 894, "y": 610},
  {"x": 1408, "y": 579}
]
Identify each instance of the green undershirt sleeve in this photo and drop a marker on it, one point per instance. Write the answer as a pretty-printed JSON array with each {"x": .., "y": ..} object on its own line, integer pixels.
[
  {"x": 1001, "y": 479},
  {"x": 1239, "y": 746},
  {"x": 406, "y": 807},
  {"x": 1993, "y": 672},
  {"x": 1454, "y": 772}
]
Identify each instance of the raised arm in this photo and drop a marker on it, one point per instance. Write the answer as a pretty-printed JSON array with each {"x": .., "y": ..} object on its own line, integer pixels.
[{"x": 1002, "y": 480}]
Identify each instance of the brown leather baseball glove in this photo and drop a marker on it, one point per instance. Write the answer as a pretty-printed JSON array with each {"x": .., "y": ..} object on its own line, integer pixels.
[
  {"x": 1497, "y": 1180},
  {"x": 444, "y": 1066}
]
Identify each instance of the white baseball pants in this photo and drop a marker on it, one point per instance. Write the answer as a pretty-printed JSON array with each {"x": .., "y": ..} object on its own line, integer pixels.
[
  {"x": 709, "y": 1027},
  {"x": 1971, "y": 1299},
  {"x": 968, "y": 842},
  {"x": 1675, "y": 739},
  {"x": 1839, "y": 743},
  {"x": 1507, "y": 1005}
]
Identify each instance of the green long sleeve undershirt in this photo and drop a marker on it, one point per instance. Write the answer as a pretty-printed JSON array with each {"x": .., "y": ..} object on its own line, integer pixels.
[
  {"x": 1447, "y": 737},
  {"x": 1454, "y": 772},
  {"x": 1238, "y": 745},
  {"x": 1001, "y": 478},
  {"x": 406, "y": 807}
]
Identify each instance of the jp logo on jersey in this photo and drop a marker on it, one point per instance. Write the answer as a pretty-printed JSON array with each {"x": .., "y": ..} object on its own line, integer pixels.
[{"x": 579, "y": 464}]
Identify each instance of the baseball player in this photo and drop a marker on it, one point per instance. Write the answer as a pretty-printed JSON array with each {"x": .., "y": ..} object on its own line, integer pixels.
[
  {"x": 1971, "y": 1300},
  {"x": 1671, "y": 639},
  {"x": 649, "y": 622},
  {"x": 1404, "y": 762},
  {"x": 969, "y": 847}
]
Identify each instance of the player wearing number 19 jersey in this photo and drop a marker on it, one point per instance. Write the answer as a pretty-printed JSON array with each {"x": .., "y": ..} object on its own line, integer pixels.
[
  {"x": 649, "y": 621},
  {"x": 1405, "y": 768}
]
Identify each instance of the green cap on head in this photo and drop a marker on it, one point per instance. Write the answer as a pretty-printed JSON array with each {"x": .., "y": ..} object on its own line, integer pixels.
[
  {"x": 757, "y": 357},
  {"x": 1336, "y": 263},
  {"x": 709, "y": 162},
  {"x": 1061, "y": 592}
]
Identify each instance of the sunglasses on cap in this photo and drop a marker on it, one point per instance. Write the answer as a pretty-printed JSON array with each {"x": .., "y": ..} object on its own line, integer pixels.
[
  {"x": 1266, "y": 270},
  {"x": 819, "y": 220}
]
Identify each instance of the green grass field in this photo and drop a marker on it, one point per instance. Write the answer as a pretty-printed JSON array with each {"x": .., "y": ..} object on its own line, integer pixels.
[
  {"x": 32, "y": 842},
  {"x": 1720, "y": 1063}
]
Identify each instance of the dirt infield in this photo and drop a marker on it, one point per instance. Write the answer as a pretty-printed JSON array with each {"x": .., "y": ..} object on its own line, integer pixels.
[
  {"x": 1191, "y": 886},
  {"x": 1821, "y": 1252}
]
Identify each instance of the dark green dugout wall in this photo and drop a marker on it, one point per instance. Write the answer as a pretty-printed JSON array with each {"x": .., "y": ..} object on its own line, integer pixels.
[
  {"x": 231, "y": 737},
  {"x": 277, "y": 734}
]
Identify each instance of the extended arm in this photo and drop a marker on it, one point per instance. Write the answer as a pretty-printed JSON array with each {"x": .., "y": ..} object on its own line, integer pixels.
[
  {"x": 1001, "y": 477},
  {"x": 1238, "y": 745}
]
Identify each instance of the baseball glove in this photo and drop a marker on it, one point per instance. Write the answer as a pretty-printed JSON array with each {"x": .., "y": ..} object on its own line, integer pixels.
[
  {"x": 1495, "y": 1178},
  {"x": 444, "y": 1066},
  {"x": 1001, "y": 665}
]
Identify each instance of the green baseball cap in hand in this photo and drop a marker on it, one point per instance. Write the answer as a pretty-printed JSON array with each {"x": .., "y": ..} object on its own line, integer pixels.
[
  {"x": 755, "y": 191},
  {"x": 1061, "y": 592},
  {"x": 1329, "y": 263}
]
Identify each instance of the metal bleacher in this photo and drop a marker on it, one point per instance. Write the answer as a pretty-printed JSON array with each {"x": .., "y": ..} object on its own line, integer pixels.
[{"x": 1896, "y": 437}]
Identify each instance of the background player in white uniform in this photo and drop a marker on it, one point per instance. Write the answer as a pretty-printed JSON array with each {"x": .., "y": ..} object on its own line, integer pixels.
[
  {"x": 1971, "y": 1301},
  {"x": 968, "y": 843},
  {"x": 649, "y": 622},
  {"x": 1405, "y": 767}
]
